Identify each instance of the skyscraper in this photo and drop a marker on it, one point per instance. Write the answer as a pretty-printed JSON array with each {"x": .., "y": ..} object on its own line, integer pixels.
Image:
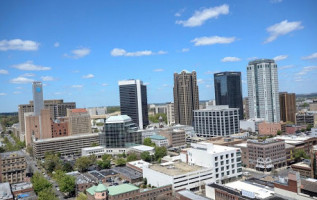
[
  {"x": 263, "y": 90},
  {"x": 133, "y": 101},
  {"x": 228, "y": 90},
  {"x": 288, "y": 106},
  {"x": 186, "y": 97},
  {"x": 37, "y": 90}
]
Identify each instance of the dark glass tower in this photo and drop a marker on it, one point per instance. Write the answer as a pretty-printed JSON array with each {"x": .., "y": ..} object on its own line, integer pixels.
[
  {"x": 133, "y": 101},
  {"x": 228, "y": 90}
]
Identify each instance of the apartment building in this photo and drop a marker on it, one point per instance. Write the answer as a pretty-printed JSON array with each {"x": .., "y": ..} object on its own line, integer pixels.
[
  {"x": 78, "y": 121},
  {"x": 12, "y": 167}
]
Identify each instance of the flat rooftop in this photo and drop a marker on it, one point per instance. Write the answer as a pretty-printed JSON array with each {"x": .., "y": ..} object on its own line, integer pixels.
[
  {"x": 21, "y": 186},
  {"x": 71, "y": 137},
  {"x": 128, "y": 172},
  {"x": 80, "y": 178},
  {"x": 100, "y": 175},
  {"x": 11, "y": 154},
  {"x": 175, "y": 168}
]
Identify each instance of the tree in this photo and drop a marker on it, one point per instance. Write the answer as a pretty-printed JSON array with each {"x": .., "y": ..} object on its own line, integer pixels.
[
  {"x": 132, "y": 157},
  {"x": 29, "y": 149},
  {"x": 2, "y": 150},
  {"x": 40, "y": 183},
  {"x": 67, "y": 184},
  {"x": 155, "y": 118},
  {"x": 47, "y": 194},
  {"x": 300, "y": 154},
  {"x": 146, "y": 156},
  {"x": 104, "y": 164},
  {"x": 81, "y": 196},
  {"x": 83, "y": 163},
  {"x": 160, "y": 152},
  {"x": 52, "y": 162},
  {"x": 279, "y": 132},
  {"x": 148, "y": 142},
  {"x": 67, "y": 167},
  {"x": 94, "y": 144},
  {"x": 308, "y": 128},
  {"x": 120, "y": 162},
  {"x": 106, "y": 157}
]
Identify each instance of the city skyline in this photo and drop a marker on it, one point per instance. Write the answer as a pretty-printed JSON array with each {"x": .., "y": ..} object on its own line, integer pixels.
[{"x": 81, "y": 50}]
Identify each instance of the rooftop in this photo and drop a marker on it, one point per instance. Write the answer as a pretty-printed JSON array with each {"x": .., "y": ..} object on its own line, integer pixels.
[
  {"x": 123, "y": 188},
  {"x": 175, "y": 168},
  {"x": 118, "y": 119},
  {"x": 129, "y": 82},
  {"x": 190, "y": 195},
  {"x": 211, "y": 148},
  {"x": 11, "y": 154},
  {"x": 157, "y": 137},
  {"x": 71, "y": 137},
  {"x": 21, "y": 186},
  {"x": 142, "y": 148},
  {"x": 100, "y": 175},
  {"x": 258, "y": 61},
  {"x": 128, "y": 172},
  {"x": 80, "y": 178},
  {"x": 5, "y": 191},
  {"x": 216, "y": 108},
  {"x": 78, "y": 110}
]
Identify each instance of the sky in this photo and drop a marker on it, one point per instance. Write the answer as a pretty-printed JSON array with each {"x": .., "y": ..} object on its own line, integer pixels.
[{"x": 81, "y": 49}]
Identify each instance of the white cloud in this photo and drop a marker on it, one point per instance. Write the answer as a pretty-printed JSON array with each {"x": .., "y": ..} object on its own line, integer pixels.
[
  {"x": 252, "y": 58},
  {"x": 28, "y": 75},
  {"x": 213, "y": 40},
  {"x": 122, "y": 52},
  {"x": 56, "y": 44},
  {"x": 201, "y": 16},
  {"x": 105, "y": 84},
  {"x": 18, "y": 44},
  {"x": 312, "y": 56},
  {"x": 79, "y": 53},
  {"x": 185, "y": 49},
  {"x": 158, "y": 70},
  {"x": 179, "y": 13},
  {"x": 77, "y": 86},
  {"x": 3, "y": 71},
  {"x": 286, "y": 67},
  {"x": 282, "y": 28},
  {"x": 305, "y": 70},
  {"x": 146, "y": 83},
  {"x": 29, "y": 66},
  {"x": 47, "y": 78},
  {"x": 200, "y": 81},
  {"x": 17, "y": 92},
  {"x": 3, "y": 94},
  {"x": 280, "y": 57},
  {"x": 230, "y": 59},
  {"x": 89, "y": 76},
  {"x": 21, "y": 80}
]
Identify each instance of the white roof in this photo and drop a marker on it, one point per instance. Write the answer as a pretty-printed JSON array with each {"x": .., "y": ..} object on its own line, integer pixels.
[
  {"x": 129, "y": 82},
  {"x": 259, "y": 191},
  {"x": 143, "y": 148},
  {"x": 118, "y": 119}
]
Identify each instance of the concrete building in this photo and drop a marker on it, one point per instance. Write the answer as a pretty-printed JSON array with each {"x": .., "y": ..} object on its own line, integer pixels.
[
  {"x": 97, "y": 111},
  {"x": 246, "y": 108},
  {"x": 78, "y": 121},
  {"x": 5, "y": 191},
  {"x": 216, "y": 121},
  {"x": 186, "y": 98},
  {"x": 224, "y": 162},
  {"x": 133, "y": 101},
  {"x": 82, "y": 182},
  {"x": 263, "y": 90},
  {"x": 138, "y": 165},
  {"x": 70, "y": 145},
  {"x": 251, "y": 125},
  {"x": 287, "y": 106},
  {"x": 37, "y": 91},
  {"x": 176, "y": 138},
  {"x": 304, "y": 169},
  {"x": 228, "y": 90},
  {"x": 272, "y": 128},
  {"x": 12, "y": 167},
  {"x": 306, "y": 118},
  {"x": 188, "y": 195},
  {"x": 170, "y": 113},
  {"x": 57, "y": 107},
  {"x": 266, "y": 155},
  {"x": 292, "y": 129},
  {"x": 120, "y": 132},
  {"x": 313, "y": 106},
  {"x": 180, "y": 175},
  {"x": 225, "y": 141},
  {"x": 159, "y": 140},
  {"x": 141, "y": 148}
]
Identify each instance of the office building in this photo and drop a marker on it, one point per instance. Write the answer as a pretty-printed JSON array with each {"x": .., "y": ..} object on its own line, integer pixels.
[
  {"x": 246, "y": 108},
  {"x": 120, "y": 132},
  {"x": 287, "y": 106},
  {"x": 133, "y": 101},
  {"x": 216, "y": 121},
  {"x": 78, "y": 121},
  {"x": 175, "y": 137},
  {"x": 266, "y": 128},
  {"x": 159, "y": 140},
  {"x": 37, "y": 91},
  {"x": 12, "y": 167},
  {"x": 66, "y": 146},
  {"x": 224, "y": 162},
  {"x": 263, "y": 91},
  {"x": 186, "y": 97},
  {"x": 57, "y": 107},
  {"x": 306, "y": 118},
  {"x": 228, "y": 90},
  {"x": 170, "y": 113}
]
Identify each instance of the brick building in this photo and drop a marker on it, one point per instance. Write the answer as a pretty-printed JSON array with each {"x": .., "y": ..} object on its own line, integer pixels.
[{"x": 12, "y": 167}]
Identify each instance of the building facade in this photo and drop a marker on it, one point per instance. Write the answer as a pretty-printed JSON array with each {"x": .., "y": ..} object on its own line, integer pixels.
[
  {"x": 287, "y": 106},
  {"x": 37, "y": 91},
  {"x": 228, "y": 90},
  {"x": 216, "y": 121},
  {"x": 120, "y": 132},
  {"x": 175, "y": 138},
  {"x": 133, "y": 101},
  {"x": 78, "y": 121},
  {"x": 12, "y": 167},
  {"x": 266, "y": 128},
  {"x": 186, "y": 97},
  {"x": 263, "y": 91},
  {"x": 306, "y": 118},
  {"x": 170, "y": 113},
  {"x": 246, "y": 108}
]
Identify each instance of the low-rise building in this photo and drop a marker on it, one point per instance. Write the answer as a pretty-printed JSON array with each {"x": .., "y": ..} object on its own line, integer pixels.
[
  {"x": 102, "y": 176},
  {"x": 5, "y": 191},
  {"x": 138, "y": 165},
  {"x": 225, "y": 141},
  {"x": 292, "y": 129},
  {"x": 306, "y": 118},
  {"x": 243, "y": 135},
  {"x": 188, "y": 195},
  {"x": 251, "y": 125},
  {"x": 304, "y": 168},
  {"x": 82, "y": 182},
  {"x": 159, "y": 140},
  {"x": 13, "y": 167},
  {"x": 271, "y": 128},
  {"x": 175, "y": 137},
  {"x": 141, "y": 148},
  {"x": 130, "y": 174},
  {"x": 20, "y": 188}
]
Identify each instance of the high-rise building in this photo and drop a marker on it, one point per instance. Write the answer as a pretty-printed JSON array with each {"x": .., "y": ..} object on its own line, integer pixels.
[
  {"x": 246, "y": 108},
  {"x": 287, "y": 106},
  {"x": 228, "y": 90},
  {"x": 78, "y": 121},
  {"x": 120, "y": 132},
  {"x": 263, "y": 90},
  {"x": 37, "y": 90},
  {"x": 170, "y": 113},
  {"x": 133, "y": 101},
  {"x": 186, "y": 97}
]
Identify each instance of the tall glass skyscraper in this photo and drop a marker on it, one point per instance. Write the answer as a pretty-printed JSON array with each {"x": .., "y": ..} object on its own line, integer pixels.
[
  {"x": 133, "y": 101},
  {"x": 38, "y": 102},
  {"x": 228, "y": 90},
  {"x": 263, "y": 90}
]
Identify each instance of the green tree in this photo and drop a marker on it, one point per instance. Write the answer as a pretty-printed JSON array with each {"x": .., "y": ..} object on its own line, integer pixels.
[
  {"x": 106, "y": 157},
  {"x": 146, "y": 156},
  {"x": 148, "y": 142},
  {"x": 94, "y": 144},
  {"x": 132, "y": 157},
  {"x": 67, "y": 184},
  {"x": 84, "y": 162},
  {"x": 279, "y": 132},
  {"x": 155, "y": 118},
  {"x": 300, "y": 154},
  {"x": 160, "y": 152},
  {"x": 29, "y": 149},
  {"x": 40, "y": 183},
  {"x": 120, "y": 162},
  {"x": 104, "y": 164},
  {"x": 309, "y": 126},
  {"x": 47, "y": 194},
  {"x": 52, "y": 162},
  {"x": 81, "y": 196},
  {"x": 67, "y": 167}
]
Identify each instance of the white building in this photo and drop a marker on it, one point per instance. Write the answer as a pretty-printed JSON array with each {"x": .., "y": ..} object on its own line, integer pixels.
[
  {"x": 251, "y": 125},
  {"x": 179, "y": 174},
  {"x": 170, "y": 113},
  {"x": 243, "y": 135},
  {"x": 263, "y": 90},
  {"x": 142, "y": 148},
  {"x": 225, "y": 162},
  {"x": 216, "y": 121},
  {"x": 159, "y": 140},
  {"x": 100, "y": 150}
]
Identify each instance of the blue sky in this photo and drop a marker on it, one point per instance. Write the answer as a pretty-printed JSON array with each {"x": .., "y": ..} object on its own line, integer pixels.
[{"x": 81, "y": 49}]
